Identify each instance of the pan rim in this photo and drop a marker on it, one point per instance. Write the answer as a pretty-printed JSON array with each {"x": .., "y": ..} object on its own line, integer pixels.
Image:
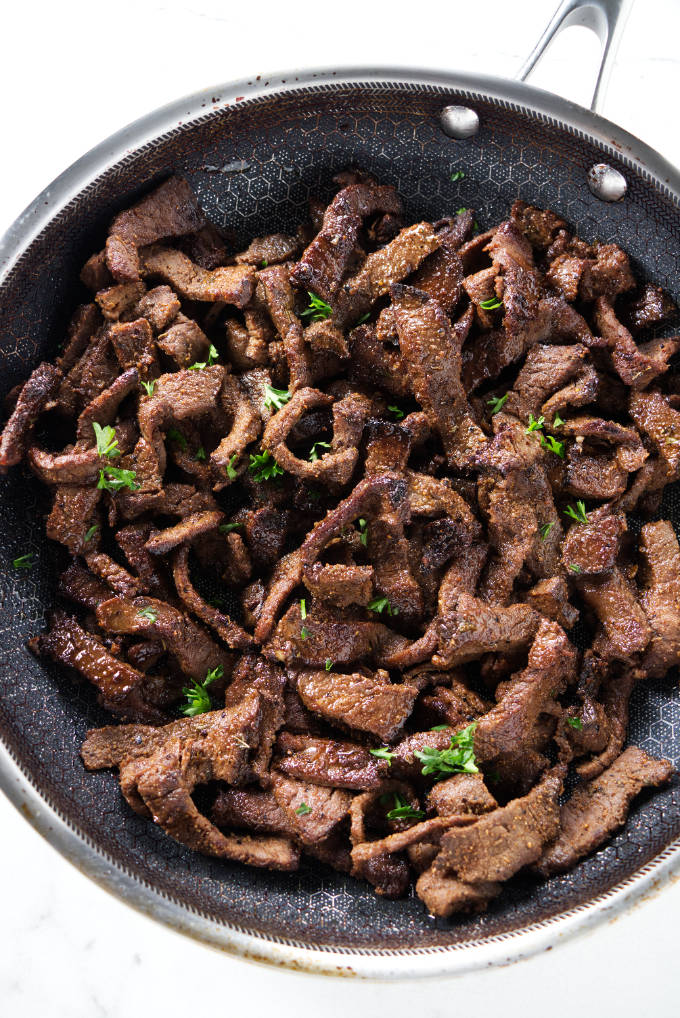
[{"x": 373, "y": 963}]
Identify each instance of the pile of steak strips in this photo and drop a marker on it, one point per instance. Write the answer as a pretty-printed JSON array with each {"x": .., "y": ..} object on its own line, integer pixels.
[{"x": 408, "y": 453}]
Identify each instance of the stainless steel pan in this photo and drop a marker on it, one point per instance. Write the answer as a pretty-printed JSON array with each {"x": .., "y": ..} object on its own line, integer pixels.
[{"x": 255, "y": 150}]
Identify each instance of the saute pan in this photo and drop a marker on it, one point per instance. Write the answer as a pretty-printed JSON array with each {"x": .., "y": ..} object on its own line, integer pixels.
[{"x": 255, "y": 151}]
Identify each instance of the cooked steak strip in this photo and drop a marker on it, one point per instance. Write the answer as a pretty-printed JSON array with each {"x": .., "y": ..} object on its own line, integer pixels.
[
  {"x": 230, "y": 284},
  {"x": 233, "y": 635},
  {"x": 35, "y": 393}
]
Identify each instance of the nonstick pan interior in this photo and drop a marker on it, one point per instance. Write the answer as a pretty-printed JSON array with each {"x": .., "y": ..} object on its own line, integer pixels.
[{"x": 254, "y": 165}]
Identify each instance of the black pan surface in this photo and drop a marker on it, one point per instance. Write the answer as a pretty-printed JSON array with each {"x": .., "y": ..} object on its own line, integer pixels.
[{"x": 254, "y": 163}]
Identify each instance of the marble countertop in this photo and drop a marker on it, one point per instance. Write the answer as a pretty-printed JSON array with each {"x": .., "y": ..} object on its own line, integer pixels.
[{"x": 70, "y": 950}]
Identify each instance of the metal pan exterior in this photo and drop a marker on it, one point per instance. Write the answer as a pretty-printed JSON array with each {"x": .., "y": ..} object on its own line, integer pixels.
[{"x": 254, "y": 151}]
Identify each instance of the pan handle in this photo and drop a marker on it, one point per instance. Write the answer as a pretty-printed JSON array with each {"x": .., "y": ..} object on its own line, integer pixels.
[{"x": 606, "y": 18}]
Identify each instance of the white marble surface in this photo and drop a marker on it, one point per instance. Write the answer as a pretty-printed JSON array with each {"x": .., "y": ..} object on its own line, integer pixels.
[{"x": 69, "y": 950}]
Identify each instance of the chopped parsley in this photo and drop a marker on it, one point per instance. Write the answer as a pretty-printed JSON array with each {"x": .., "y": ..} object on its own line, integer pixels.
[
  {"x": 231, "y": 469},
  {"x": 264, "y": 467},
  {"x": 575, "y": 723},
  {"x": 579, "y": 513},
  {"x": 148, "y": 387},
  {"x": 545, "y": 530},
  {"x": 363, "y": 533},
  {"x": 458, "y": 175},
  {"x": 227, "y": 528},
  {"x": 458, "y": 758},
  {"x": 303, "y": 609},
  {"x": 318, "y": 309},
  {"x": 403, "y": 811},
  {"x": 557, "y": 422},
  {"x": 497, "y": 403},
  {"x": 213, "y": 357},
  {"x": 303, "y": 809},
  {"x": 198, "y": 698},
  {"x": 92, "y": 531},
  {"x": 461, "y": 210},
  {"x": 147, "y": 613},
  {"x": 492, "y": 304},
  {"x": 548, "y": 442},
  {"x": 107, "y": 443},
  {"x": 381, "y": 604},
  {"x": 397, "y": 411},
  {"x": 276, "y": 398},
  {"x": 575, "y": 568},
  {"x": 314, "y": 453},
  {"x": 439, "y": 728},
  {"x": 383, "y": 754},
  {"x": 113, "y": 479},
  {"x": 24, "y": 561},
  {"x": 201, "y": 455},
  {"x": 264, "y": 263},
  {"x": 304, "y": 633},
  {"x": 328, "y": 665},
  {"x": 534, "y": 425},
  {"x": 176, "y": 436}
]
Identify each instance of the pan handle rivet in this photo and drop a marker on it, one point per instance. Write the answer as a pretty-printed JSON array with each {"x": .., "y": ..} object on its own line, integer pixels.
[
  {"x": 459, "y": 121},
  {"x": 606, "y": 183}
]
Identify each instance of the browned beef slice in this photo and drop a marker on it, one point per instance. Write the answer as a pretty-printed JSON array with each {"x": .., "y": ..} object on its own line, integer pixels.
[
  {"x": 160, "y": 306},
  {"x": 633, "y": 366},
  {"x": 325, "y": 261},
  {"x": 375, "y": 362},
  {"x": 119, "y": 579},
  {"x": 660, "y": 598},
  {"x": 596, "y": 477},
  {"x": 120, "y": 685},
  {"x": 95, "y": 274},
  {"x": 254, "y": 673},
  {"x": 392, "y": 263},
  {"x": 253, "y": 809},
  {"x": 500, "y": 843},
  {"x": 35, "y": 393},
  {"x": 73, "y": 514},
  {"x": 607, "y": 274},
  {"x": 431, "y": 349},
  {"x": 340, "y": 585},
  {"x": 311, "y": 810},
  {"x": 231, "y": 632},
  {"x": 169, "y": 211},
  {"x": 135, "y": 347},
  {"x": 539, "y": 226},
  {"x": 550, "y": 597},
  {"x": 329, "y": 762},
  {"x": 475, "y": 628},
  {"x": 461, "y": 793},
  {"x": 441, "y": 274},
  {"x": 118, "y": 300},
  {"x": 654, "y": 415},
  {"x": 593, "y": 547},
  {"x": 80, "y": 586},
  {"x": 132, "y": 540},
  {"x": 367, "y": 703},
  {"x": 545, "y": 370},
  {"x": 598, "y": 808},
  {"x": 104, "y": 408},
  {"x": 614, "y": 602},
  {"x": 427, "y": 831},
  {"x": 83, "y": 325},
  {"x": 269, "y": 250},
  {"x": 195, "y": 651},
  {"x": 651, "y": 307},
  {"x": 279, "y": 299},
  {"x": 444, "y": 894},
  {"x": 184, "y": 532},
  {"x": 230, "y": 284},
  {"x": 184, "y": 342},
  {"x": 454, "y": 705}
]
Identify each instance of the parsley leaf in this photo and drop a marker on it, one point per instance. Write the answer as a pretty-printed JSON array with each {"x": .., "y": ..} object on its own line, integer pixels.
[
  {"x": 201, "y": 454},
  {"x": 303, "y": 809},
  {"x": 557, "y": 421},
  {"x": 381, "y": 604},
  {"x": 213, "y": 356},
  {"x": 548, "y": 442},
  {"x": 197, "y": 366},
  {"x": 383, "y": 754},
  {"x": 304, "y": 633},
  {"x": 534, "y": 425},
  {"x": 461, "y": 210},
  {"x": 264, "y": 467},
  {"x": 397, "y": 411},
  {"x": 492, "y": 304},
  {"x": 458, "y": 175},
  {"x": 363, "y": 533},
  {"x": 545, "y": 530},
  {"x": 24, "y": 561},
  {"x": 148, "y": 387},
  {"x": 264, "y": 263},
  {"x": 497, "y": 403},
  {"x": 458, "y": 758},
  {"x": 231, "y": 470},
  {"x": 328, "y": 665},
  {"x": 107, "y": 443},
  {"x": 439, "y": 728},
  {"x": 575, "y": 568},
  {"x": 198, "y": 698},
  {"x": 579, "y": 513},
  {"x": 403, "y": 811},
  {"x": 147, "y": 613},
  {"x": 318, "y": 309},
  {"x": 176, "y": 436},
  {"x": 575, "y": 723},
  {"x": 303, "y": 608},
  {"x": 314, "y": 454},
  {"x": 113, "y": 479},
  {"x": 226, "y": 528},
  {"x": 92, "y": 531},
  {"x": 276, "y": 398}
]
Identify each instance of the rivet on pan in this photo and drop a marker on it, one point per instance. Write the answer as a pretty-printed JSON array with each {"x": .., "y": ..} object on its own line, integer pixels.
[
  {"x": 459, "y": 121},
  {"x": 606, "y": 183}
]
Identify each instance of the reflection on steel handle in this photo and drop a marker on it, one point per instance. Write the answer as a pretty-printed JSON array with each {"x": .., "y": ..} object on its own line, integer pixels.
[{"x": 604, "y": 17}]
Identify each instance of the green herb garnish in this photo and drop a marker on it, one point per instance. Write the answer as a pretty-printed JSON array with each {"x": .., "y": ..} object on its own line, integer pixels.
[
  {"x": 381, "y": 604},
  {"x": 575, "y": 568},
  {"x": 148, "y": 613},
  {"x": 176, "y": 436},
  {"x": 557, "y": 422},
  {"x": 303, "y": 608},
  {"x": 24, "y": 561},
  {"x": 198, "y": 698},
  {"x": 492, "y": 304},
  {"x": 107, "y": 443},
  {"x": 402, "y": 810},
  {"x": 363, "y": 533},
  {"x": 227, "y": 528},
  {"x": 545, "y": 530},
  {"x": 383, "y": 754},
  {"x": 328, "y": 665},
  {"x": 579, "y": 513},
  {"x": 264, "y": 467},
  {"x": 92, "y": 531},
  {"x": 303, "y": 809},
  {"x": 397, "y": 411},
  {"x": 497, "y": 403},
  {"x": 314, "y": 453},
  {"x": 148, "y": 387},
  {"x": 318, "y": 309},
  {"x": 201, "y": 454},
  {"x": 213, "y": 356},
  {"x": 534, "y": 425},
  {"x": 113, "y": 479},
  {"x": 276, "y": 398},
  {"x": 264, "y": 263},
  {"x": 550, "y": 443},
  {"x": 231, "y": 470},
  {"x": 458, "y": 758},
  {"x": 439, "y": 728},
  {"x": 304, "y": 633},
  {"x": 575, "y": 723},
  {"x": 458, "y": 175}
]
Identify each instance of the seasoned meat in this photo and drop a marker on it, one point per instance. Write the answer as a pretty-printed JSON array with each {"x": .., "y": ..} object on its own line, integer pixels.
[
  {"x": 367, "y": 703},
  {"x": 35, "y": 393}
]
